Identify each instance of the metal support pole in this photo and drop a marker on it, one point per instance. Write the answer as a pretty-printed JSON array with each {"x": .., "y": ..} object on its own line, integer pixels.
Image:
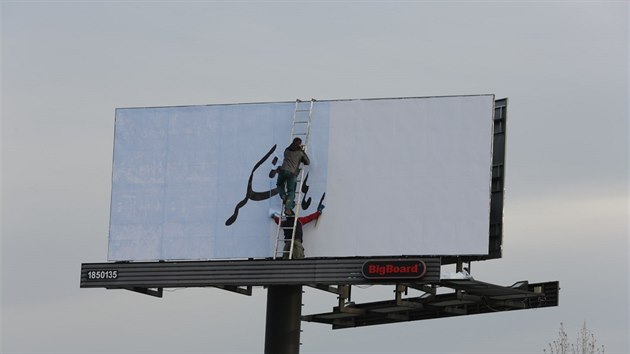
[
  {"x": 284, "y": 316},
  {"x": 458, "y": 268}
]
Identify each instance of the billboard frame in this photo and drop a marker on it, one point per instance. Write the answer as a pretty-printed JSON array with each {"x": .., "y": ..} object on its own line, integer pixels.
[
  {"x": 284, "y": 279},
  {"x": 496, "y": 189}
]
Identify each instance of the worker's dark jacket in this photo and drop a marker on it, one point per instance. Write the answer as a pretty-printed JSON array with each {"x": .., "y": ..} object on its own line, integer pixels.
[{"x": 292, "y": 158}]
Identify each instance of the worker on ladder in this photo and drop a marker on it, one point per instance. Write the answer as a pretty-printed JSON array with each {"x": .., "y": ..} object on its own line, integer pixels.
[
  {"x": 287, "y": 175},
  {"x": 287, "y": 225}
]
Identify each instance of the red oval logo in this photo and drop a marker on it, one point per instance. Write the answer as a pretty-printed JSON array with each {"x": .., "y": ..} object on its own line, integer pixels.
[{"x": 394, "y": 269}]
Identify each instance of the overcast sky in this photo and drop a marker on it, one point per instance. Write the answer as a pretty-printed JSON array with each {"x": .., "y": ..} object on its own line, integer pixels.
[{"x": 67, "y": 65}]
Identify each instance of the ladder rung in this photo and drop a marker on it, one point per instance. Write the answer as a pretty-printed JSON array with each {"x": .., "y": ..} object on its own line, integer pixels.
[
  {"x": 302, "y": 110},
  {"x": 301, "y": 122},
  {"x": 294, "y": 134}
]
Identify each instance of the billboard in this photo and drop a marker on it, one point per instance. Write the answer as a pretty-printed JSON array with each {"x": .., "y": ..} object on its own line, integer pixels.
[{"x": 404, "y": 176}]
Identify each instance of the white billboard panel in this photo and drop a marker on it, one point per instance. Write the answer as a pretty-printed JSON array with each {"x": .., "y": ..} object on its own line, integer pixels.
[{"x": 401, "y": 176}]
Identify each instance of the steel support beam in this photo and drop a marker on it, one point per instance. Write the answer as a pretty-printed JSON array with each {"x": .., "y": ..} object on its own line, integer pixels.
[{"x": 284, "y": 317}]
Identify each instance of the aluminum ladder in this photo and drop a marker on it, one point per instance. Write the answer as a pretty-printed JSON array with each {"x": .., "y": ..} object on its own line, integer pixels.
[{"x": 300, "y": 128}]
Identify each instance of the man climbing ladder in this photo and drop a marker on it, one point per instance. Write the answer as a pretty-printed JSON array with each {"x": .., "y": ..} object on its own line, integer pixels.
[{"x": 287, "y": 176}]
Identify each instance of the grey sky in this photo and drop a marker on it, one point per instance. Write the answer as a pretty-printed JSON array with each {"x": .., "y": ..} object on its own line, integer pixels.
[{"x": 67, "y": 65}]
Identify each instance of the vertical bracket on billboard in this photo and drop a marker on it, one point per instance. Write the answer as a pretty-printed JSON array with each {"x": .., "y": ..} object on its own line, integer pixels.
[{"x": 344, "y": 294}]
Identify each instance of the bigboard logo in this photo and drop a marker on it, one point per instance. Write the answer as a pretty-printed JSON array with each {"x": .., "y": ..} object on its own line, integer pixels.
[{"x": 394, "y": 269}]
